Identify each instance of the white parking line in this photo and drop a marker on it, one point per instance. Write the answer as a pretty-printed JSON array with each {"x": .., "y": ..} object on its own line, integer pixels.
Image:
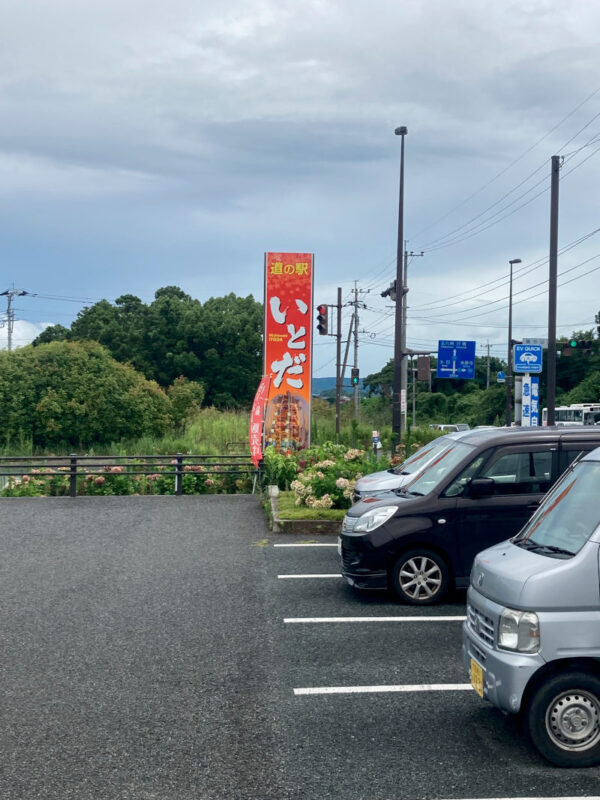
[
  {"x": 334, "y": 575},
  {"x": 537, "y": 797},
  {"x": 419, "y": 687},
  {"x": 372, "y": 619},
  {"x": 308, "y": 544}
]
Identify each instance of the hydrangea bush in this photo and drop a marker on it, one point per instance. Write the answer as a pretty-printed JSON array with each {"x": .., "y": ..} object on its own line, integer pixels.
[
  {"x": 117, "y": 480},
  {"x": 321, "y": 477}
]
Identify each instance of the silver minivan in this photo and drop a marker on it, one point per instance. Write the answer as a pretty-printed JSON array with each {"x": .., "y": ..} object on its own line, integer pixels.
[
  {"x": 379, "y": 483},
  {"x": 531, "y": 641}
]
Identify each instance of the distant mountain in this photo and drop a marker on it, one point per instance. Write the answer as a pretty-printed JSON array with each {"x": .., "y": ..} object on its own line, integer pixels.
[{"x": 321, "y": 385}]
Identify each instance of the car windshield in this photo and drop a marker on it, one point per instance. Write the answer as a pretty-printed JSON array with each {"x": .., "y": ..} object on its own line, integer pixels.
[
  {"x": 439, "y": 468},
  {"x": 567, "y": 517},
  {"x": 423, "y": 456}
]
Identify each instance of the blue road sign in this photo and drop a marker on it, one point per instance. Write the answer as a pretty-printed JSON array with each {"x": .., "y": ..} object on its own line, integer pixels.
[
  {"x": 456, "y": 360},
  {"x": 501, "y": 377},
  {"x": 528, "y": 358}
]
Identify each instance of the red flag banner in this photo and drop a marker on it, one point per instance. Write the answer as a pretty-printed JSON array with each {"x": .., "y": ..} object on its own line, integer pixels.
[
  {"x": 256, "y": 420},
  {"x": 288, "y": 349}
]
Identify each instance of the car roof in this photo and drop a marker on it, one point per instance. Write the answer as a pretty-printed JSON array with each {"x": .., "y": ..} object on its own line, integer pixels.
[
  {"x": 593, "y": 455},
  {"x": 517, "y": 435}
]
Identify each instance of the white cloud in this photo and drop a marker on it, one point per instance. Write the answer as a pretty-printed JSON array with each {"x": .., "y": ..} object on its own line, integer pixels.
[{"x": 144, "y": 143}]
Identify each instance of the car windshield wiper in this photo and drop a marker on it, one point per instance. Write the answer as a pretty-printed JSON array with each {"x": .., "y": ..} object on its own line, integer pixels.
[
  {"x": 552, "y": 548},
  {"x": 416, "y": 494},
  {"x": 530, "y": 544}
]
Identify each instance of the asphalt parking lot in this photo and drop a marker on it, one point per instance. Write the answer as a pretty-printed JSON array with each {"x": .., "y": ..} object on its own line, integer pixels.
[
  {"x": 378, "y": 701},
  {"x": 174, "y": 649}
]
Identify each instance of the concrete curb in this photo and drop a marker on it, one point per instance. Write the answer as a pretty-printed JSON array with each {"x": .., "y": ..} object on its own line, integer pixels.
[{"x": 303, "y": 527}]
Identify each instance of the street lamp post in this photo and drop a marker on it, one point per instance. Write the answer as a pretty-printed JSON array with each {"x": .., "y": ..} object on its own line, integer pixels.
[
  {"x": 509, "y": 368},
  {"x": 398, "y": 354}
]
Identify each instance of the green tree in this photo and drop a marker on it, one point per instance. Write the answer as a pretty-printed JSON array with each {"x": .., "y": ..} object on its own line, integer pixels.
[
  {"x": 53, "y": 333},
  {"x": 73, "y": 394},
  {"x": 186, "y": 399},
  {"x": 382, "y": 382},
  {"x": 218, "y": 343}
]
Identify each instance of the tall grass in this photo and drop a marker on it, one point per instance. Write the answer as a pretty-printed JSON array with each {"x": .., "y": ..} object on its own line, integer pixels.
[{"x": 213, "y": 432}]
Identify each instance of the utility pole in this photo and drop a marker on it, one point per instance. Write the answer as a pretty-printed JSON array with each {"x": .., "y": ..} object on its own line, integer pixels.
[
  {"x": 338, "y": 382},
  {"x": 404, "y": 368},
  {"x": 509, "y": 364},
  {"x": 553, "y": 267},
  {"x": 356, "y": 321},
  {"x": 414, "y": 391},
  {"x": 10, "y": 313},
  {"x": 487, "y": 380},
  {"x": 355, "y": 388}
]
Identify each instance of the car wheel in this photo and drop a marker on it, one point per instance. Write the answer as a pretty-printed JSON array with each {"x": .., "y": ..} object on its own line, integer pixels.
[
  {"x": 562, "y": 719},
  {"x": 420, "y": 577}
]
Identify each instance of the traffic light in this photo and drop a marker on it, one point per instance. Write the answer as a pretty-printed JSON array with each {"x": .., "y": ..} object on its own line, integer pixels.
[
  {"x": 573, "y": 345},
  {"x": 322, "y": 319},
  {"x": 354, "y": 375}
]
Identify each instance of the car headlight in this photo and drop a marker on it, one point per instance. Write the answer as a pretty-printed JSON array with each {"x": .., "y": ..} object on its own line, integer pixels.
[
  {"x": 374, "y": 518},
  {"x": 519, "y": 631}
]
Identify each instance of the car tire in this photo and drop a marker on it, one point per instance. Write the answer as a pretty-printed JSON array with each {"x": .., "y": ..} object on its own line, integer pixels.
[
  {"x": 420, "y": 577},
  {"x": 562, "y": 719}
]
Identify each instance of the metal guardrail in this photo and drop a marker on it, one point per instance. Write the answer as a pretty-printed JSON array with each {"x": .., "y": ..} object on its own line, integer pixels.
[{"x": 75, "y": 467}]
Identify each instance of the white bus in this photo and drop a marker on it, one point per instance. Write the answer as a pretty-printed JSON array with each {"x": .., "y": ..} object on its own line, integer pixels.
[{"x": 575, "y": 414}]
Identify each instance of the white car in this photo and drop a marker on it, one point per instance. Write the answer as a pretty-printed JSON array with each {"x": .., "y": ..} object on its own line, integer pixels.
[
  {"x": 528, "y": 358},
  {"x": 379, "y": 483}
]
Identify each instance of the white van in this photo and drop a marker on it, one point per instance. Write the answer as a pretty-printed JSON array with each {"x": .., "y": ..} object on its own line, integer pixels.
[{"x": 531, "y": 642}]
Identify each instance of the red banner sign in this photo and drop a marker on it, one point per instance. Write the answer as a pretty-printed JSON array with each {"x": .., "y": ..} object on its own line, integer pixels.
[
  {"x": 288, "y": 349},
  {"x": 256, "y": 420}
]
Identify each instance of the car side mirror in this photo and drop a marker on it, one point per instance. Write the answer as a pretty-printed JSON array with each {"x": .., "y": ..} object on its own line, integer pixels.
[{"x": 481, "y": 487}]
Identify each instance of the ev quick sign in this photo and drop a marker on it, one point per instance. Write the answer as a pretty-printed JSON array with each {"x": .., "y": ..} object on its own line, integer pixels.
[{"x": 528, "y": 358}]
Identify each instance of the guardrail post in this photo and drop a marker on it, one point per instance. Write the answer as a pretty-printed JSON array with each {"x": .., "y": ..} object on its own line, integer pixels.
[
  {"x": 179, "y": 474},
  {"x": 73, "y": 475}
]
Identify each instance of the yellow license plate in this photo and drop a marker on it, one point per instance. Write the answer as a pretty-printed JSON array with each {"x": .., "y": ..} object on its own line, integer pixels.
[{"x": 477, "y": 677}]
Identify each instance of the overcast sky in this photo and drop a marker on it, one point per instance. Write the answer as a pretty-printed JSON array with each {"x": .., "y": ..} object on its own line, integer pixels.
[{"x": 145, "y": 144}]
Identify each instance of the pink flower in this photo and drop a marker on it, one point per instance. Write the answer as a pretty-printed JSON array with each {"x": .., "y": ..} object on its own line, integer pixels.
[
  {"x": 99, "y": 480},
  {"x": 89, "y": 477},
  {"x": 25, "y": 479}
]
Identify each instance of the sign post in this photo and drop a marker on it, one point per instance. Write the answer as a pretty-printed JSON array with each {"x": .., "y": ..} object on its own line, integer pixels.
[
  {"x": 531, "y": 397},
  {"x": 456, "y": 359}
]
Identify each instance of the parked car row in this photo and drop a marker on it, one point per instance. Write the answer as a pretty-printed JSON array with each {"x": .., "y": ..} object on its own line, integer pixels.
[{"x": 532, "y": 635}]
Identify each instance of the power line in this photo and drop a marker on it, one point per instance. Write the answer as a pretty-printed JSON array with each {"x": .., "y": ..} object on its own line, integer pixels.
[
  {"x": 503, "y": 281},
  {"x": 516, "y": 160}
]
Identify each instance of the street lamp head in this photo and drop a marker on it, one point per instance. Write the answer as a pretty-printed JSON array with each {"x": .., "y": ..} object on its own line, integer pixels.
[
  {"x": 515, "y": 261},
  {"x": 401, "y": 131}
]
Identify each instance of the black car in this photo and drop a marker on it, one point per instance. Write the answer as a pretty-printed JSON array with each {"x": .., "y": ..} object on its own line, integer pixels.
[{"x": 422, "y": 539}]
